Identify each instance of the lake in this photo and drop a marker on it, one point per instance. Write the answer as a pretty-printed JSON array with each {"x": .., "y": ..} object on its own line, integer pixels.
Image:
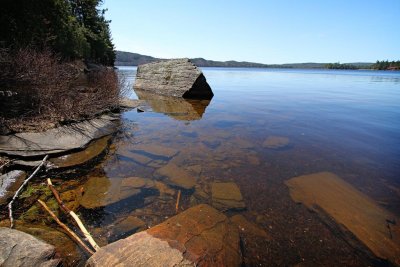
[
  {"x": 339, "y": 121},
  {"x": 261, "y": 128}
]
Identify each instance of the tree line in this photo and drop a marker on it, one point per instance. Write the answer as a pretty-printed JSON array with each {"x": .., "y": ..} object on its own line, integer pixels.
[
  {"x": 379, "y": 65},
  {"x": 339, "y": 66},
  {"x": 74, "y": 29},
  {"x": 386, "y": 65}
]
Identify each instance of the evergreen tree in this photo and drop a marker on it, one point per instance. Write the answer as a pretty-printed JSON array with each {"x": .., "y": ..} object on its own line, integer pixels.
[{"x": 71, "y": 28}]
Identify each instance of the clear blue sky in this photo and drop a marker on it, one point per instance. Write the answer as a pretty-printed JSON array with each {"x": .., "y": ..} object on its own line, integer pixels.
[{"x": 284, "y": 31}]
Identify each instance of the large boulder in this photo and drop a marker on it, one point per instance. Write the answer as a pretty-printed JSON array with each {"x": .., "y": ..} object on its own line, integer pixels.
[
  {"x": 175, "y": 77},
  {"x": 199, "y": 236},
  {"x": 20, "y": 249}
]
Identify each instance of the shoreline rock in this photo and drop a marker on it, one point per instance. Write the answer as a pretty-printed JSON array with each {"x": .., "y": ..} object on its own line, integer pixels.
[
  {"x": 58, "y": 140},
  {"x": 20, "y": 249},
  {"x": 199, "y": 236}
]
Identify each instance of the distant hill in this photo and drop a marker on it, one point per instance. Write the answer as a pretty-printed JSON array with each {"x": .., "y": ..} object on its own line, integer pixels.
[{"x": 134, "y": 59}]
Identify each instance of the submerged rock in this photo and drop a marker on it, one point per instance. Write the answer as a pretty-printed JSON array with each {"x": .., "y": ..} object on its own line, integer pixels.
[
  {"x": 226, "y": 196},
  {"x": 176, "y": 176},
  {"x": 72, "y": 198},
  {"x": 20, "y": 249},
  {"x": 164, "y": 189},
  {"x": 94, "y": 149},
  {"x": 276, "y": 142},
  {"x": 327, "y": 194},
  {"x": 102, "y": 191},
  {"x": 156, "y": 150},
  {"x": 127, "y": 226},
  {"x": 248, "y": 228},
  {"x": 9, "y": 183},
  {"x": 58, "y": 140},
  {"x": 138, "y": 158},
  {"x": 199, "y": 236},
  {"x": 175, "y": 77}
]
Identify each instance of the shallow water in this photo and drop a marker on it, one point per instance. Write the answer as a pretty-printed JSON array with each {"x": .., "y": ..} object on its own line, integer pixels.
[{"x": 344, "y": 122}]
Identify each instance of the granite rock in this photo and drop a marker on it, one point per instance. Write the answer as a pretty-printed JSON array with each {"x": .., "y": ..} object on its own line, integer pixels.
[
  {"x": 199, "y": 236},
  {"x": 20, "y": 249},
  {"x": 175, "y": 77}
]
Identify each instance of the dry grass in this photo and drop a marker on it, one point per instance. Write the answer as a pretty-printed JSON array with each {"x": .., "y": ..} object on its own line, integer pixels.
[{"x": 40, "y": 91}]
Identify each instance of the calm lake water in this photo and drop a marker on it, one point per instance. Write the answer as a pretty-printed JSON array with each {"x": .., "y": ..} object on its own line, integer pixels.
[{"x": 344, "y": 122}]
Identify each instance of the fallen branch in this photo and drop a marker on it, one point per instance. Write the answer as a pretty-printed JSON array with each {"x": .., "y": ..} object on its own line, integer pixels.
[
  {"x": 20, "y": 188},
  {"x": 177, "y": 201},
  {"x": 66, "y": 210},
  {"x": 66, "y": 228}
]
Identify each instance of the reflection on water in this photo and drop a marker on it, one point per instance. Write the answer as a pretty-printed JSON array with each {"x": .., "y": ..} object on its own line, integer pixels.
[
  {"x": 262, "y": 128},
  {"x": 174, "y": 107}
]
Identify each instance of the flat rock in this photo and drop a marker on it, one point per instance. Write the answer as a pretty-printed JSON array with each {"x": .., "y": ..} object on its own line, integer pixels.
[
  {"x": 27, "y": 163},
  {"x": 138, "y": 158},
  {"x": 176, "y": 176},
  {"x": 94, "y": 149},
  {"x": 247, "y": 227},
  {"x": 20, "y": 249},
  {"x": 276, "y": 142},
  {"x": 127, "y": 225},
  {"x": 175, "y": 77},
  {"x": 57, "y": 140},
  {"x": 199, "y": 236},
  {"x": 102, "y": 191},
  {"x": 326, "y": 193},
  {"x": 156, "y": 150},
  {"x": 9, "y": 183},
  {"x": 226, "y": 196}
]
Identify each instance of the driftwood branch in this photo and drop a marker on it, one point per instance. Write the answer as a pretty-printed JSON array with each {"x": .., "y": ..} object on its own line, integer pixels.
[
  {"x": 66, "y": 228},
  {"x": 20, "y": 188},
  {"x": 177, "y": 201},
  {"x": 69, "y": 212}
]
